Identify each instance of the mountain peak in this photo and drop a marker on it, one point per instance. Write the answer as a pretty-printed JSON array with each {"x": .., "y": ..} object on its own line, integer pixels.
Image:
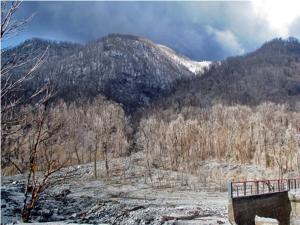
[
  {"x": 280, "y": 45},
  {"x": 125, "y": 38},
  {"x": 142, "y": 47}
]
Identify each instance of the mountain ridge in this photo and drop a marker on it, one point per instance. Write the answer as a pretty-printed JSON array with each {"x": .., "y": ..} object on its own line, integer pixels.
[
  {"x": 135, "y": 72},
  {"x": 271, "y": 73},
  {"x": 128, "y": 69}
]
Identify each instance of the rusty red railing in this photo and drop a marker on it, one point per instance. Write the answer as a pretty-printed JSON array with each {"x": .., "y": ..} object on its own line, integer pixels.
[{"x": 259, "y": 187}]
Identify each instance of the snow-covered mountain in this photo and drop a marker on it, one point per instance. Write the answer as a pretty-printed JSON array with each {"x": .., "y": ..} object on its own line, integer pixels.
[{"x": 128, "y": 69}]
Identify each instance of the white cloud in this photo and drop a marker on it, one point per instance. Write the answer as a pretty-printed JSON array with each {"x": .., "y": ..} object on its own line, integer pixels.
[
  {"x": 226, "y": 39},
  {"x": 279, "y": 14}
]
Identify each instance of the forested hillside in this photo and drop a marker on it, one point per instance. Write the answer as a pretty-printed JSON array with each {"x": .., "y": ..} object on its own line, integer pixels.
[
  {"x": 127, "y": 69},
  {"x": 271, "y": 73}
]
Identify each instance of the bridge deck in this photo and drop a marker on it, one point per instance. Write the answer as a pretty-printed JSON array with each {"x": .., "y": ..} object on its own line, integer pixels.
[{"x": 259, "y": 187}]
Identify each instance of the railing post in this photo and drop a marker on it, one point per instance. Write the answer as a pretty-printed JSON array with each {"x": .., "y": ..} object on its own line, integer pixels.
[
  {"x": 230, "y": 191},
  {"x": 257, "y": 187},
  {"x": 245, "y": 193},
  {"x": 289, "y": 184}
]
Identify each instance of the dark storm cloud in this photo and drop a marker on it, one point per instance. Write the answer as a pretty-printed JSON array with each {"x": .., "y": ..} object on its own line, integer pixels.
[{"x": 200, "y": 30}]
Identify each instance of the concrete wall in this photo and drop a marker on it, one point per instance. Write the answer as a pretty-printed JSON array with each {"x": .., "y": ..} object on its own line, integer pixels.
[
  {"x": 295, "y": 203},
  {"x": 242, "y": 210}
]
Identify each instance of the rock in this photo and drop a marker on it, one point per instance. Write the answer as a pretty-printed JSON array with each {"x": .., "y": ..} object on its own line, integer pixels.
[
  {"x": 46, "y": 213},
  {"x": 63, "y": 194},
  {"x": 265, "y": 221},
  {"x": 220, "y": 222}
]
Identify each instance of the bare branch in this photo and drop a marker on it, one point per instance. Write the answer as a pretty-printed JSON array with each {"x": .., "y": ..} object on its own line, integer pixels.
[{"x": 9, "y": 26}]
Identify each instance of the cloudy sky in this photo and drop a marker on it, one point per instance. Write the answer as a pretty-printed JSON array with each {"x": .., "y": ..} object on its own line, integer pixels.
[{"x": 200, "y": 30}]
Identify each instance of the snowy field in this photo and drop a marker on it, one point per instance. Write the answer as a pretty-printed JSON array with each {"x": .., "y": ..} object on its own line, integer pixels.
[{"x": 129, "y": 196}]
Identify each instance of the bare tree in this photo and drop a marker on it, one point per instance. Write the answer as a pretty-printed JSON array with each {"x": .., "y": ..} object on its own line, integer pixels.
[
  {"x": 9, "y": 26},
  {"x": 33, "y": 128},
  {"x": 12, "y": 83},
  {"x": 44, "y": 160},
  {"x": 39, "y": 153},
  {"x": 107, "y": 122}
]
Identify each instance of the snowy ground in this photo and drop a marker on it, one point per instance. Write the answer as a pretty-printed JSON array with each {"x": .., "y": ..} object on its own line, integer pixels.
[
  {"x": 131, "y": 195},
  {"x": 127, "y": 197},
  {"x": 103, "y": 202}
]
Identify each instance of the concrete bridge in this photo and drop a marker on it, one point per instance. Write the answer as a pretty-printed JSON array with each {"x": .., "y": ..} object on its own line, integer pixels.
[{"x": 264, "y": 198}]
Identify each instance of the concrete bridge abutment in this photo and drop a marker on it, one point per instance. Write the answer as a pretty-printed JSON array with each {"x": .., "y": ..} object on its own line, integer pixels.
[{"x": 242, "y": 210}]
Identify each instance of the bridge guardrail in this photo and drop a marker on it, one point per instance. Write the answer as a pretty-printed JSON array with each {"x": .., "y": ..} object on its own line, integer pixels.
[{"x": 258, "y": 187}]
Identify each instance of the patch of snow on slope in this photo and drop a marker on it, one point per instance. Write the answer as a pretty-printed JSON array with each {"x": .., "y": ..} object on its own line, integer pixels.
[{"x": 195, "y": 67}]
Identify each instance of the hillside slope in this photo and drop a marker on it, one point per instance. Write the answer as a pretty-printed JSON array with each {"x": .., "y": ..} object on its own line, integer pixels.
[
  {"x": 271, "y": 73},
  {"x": 128, "y": 69}
]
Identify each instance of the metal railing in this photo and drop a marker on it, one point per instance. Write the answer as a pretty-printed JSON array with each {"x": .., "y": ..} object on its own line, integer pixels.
[{"x": 259, "y": 187}]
